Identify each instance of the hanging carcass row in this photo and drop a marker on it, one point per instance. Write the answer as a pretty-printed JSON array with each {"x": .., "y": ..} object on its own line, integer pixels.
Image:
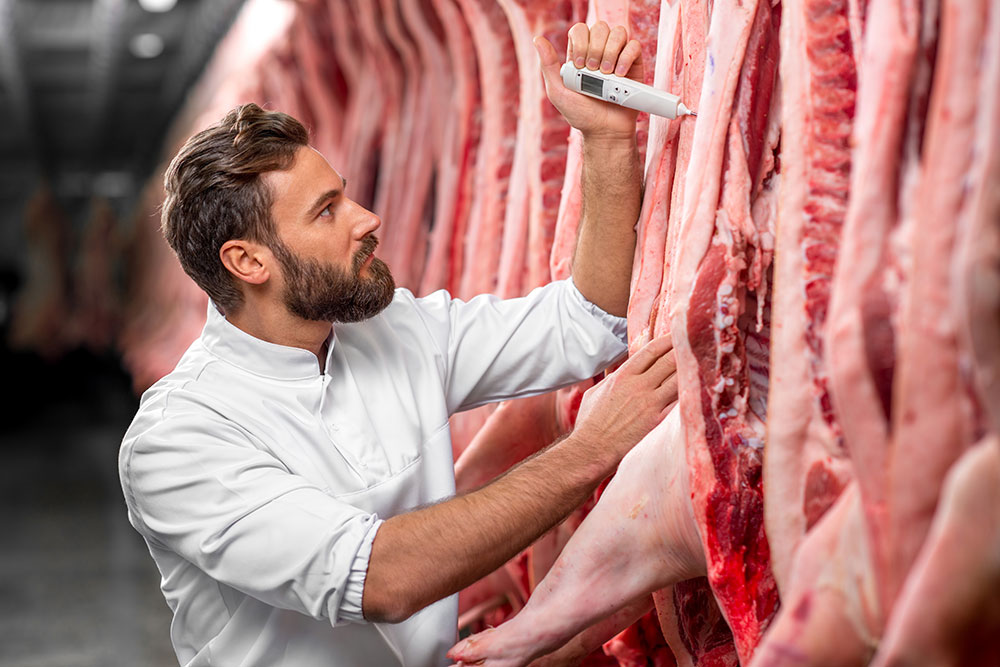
[
  {"x": 879, "y": 380},
  {"x": 837, "y": 430}
]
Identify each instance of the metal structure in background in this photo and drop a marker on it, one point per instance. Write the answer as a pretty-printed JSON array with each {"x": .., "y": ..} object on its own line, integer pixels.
[{"x": 88, "y": 89}]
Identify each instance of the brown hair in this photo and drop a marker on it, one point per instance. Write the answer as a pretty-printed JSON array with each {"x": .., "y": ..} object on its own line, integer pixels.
[{"x": 214, "y": 192}]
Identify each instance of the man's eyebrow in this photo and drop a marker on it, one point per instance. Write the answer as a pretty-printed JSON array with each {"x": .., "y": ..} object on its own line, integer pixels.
[{"x": 326, "y": 196}]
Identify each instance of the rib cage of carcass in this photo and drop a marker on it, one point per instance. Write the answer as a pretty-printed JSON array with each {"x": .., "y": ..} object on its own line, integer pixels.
[{"x": 822, "y": 243}]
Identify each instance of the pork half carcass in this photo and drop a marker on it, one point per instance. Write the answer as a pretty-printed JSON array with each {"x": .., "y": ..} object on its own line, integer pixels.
[
  {"x": 724, "y": 536},
  {"x": 806, "y": 465}
]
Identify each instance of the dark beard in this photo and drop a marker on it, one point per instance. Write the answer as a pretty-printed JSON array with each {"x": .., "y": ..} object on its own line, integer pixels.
[{"x": 326, "y": 293}]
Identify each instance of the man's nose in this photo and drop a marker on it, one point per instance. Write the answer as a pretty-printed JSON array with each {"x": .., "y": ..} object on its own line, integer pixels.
[{"x": 367, "y": 223}]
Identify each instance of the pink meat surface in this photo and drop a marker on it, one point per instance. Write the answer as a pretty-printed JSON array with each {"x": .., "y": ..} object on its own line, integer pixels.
[
  {"x": 540, "y": 153},
  {"x": 498, "y": 84},
  {"x": 640, "y": 537},
  {"x": 362, "y": 130},
  {"x": 456, "y": 166},
  {"x": 721, "y": 355},
  {"x": 319, "y": 71},
  {"x": 661, "y": 160},
  {"x": 806, "y": 465}
]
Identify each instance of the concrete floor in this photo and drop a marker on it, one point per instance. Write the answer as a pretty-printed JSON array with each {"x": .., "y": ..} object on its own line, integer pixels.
[{"x": 77, "y": 586}]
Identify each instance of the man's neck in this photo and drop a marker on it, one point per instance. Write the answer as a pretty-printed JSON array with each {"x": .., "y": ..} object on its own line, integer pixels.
[{"x": 276, "y": 325}]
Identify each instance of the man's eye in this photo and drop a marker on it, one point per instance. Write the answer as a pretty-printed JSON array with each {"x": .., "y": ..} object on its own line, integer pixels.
[{"x": 327, "y": 211}]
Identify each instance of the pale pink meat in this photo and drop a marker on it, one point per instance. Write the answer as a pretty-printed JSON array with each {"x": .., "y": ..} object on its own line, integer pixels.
[
  {"x": 455, "y": 170},
  {"x": 948, "y": 612},
  {"x": 977, "y": 259},
  {"x": 806, "y": 465},
  {"x": 829, "y": 617},
  {"x": 661, "y": 154},
  {"x": 640, "y": 537},
  {"x": 540, "y": 153},
  {"x": 860, "y": 337},
  {"x": 498, "y": 84},
  {"x": 96, "y": 294},
  {"x": 360, "y": 136},
  {"x": 318, "y": 69},
  {"x": 932, "y": 418}
]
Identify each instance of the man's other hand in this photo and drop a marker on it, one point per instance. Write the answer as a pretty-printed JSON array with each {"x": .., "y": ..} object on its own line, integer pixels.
[
  {"x": 616, "y": 413},
  {"x": 597, "y": 48}
]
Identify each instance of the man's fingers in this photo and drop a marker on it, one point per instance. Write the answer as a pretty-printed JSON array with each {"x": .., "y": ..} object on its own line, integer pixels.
[
  {"x": 630, "y": 60},
  {"x": 579, "y": 43},
  {"x": 616, "y": 40},
  {"x": 669, "y": 388},
  {"x": 640, "y": 362},
  {"x": 598, "y": 39},
  {"x": 661, "y": 369}
]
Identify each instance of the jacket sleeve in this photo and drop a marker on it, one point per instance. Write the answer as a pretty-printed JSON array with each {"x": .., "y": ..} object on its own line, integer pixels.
[
  {"x": 497, "y": 349},
  {"x": 197, "y": 485}
]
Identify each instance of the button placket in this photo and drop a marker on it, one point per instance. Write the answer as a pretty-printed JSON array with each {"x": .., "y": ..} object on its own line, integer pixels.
[{"x": 334, "y": 433}]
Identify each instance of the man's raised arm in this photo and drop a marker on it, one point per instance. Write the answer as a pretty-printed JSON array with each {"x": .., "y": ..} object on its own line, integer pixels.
[{"x": 611, "y": 179}]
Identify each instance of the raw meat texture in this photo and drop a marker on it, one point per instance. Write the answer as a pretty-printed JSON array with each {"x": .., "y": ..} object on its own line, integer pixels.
[
  {"x": 931, "y": 416},
  {"x": 830, "y": 615},
  {"x": 721, "y": 356},
  {"x": 418, "y": 144},
  {"x": 885, "y": 318},
  {"x": 590, "y": 645},
  {"x": 373, "y": 99},
  {"x": 860, "y": 334},
  {"x": 397, "y": 105},
  {"x": 641, "y": 645},
  {"x": 40, "y": 306},
  {"x": 661, "y": 158},
  {"x": 640, "y": 537},
  {"x": 806, "y": 464},
  {"x": 540, "y": 152},
  {"x": 948, "y": 611},
  {"x": 456, "y": 166},
  {"x": 498, "y": 83},
  {"x": 320, "y": 78}
]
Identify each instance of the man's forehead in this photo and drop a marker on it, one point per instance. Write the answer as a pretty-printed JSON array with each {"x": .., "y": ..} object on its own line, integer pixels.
[{"x": 308, "y": 176}]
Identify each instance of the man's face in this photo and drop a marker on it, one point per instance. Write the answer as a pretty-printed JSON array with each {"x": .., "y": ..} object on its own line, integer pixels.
[{"x": 325, "y": 245}]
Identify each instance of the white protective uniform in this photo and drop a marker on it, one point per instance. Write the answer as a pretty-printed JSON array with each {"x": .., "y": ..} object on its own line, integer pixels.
[{"x": 258, "y": 482}]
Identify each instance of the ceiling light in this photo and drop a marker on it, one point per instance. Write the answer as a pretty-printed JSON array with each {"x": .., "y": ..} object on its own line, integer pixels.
[
  {"x": 157, "y": 5},
  {"x": 146, "y": 45}
]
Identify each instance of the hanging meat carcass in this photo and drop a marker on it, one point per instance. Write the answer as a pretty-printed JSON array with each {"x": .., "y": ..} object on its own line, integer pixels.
[{"x": 868, "y": 272}]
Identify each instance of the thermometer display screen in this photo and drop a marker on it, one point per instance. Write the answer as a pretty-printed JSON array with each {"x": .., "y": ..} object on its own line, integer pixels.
[{"x": 592, "y": 85}]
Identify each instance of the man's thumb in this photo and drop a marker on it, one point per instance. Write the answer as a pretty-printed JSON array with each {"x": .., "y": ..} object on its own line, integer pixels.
[{"x": 548, "y": 57}]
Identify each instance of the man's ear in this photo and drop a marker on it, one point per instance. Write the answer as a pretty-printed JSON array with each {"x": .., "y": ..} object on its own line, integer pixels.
[{"x": 246, "y": 260}]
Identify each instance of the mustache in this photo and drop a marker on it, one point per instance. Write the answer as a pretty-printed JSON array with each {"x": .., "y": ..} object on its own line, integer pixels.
[{"x": 368, "y": 246}]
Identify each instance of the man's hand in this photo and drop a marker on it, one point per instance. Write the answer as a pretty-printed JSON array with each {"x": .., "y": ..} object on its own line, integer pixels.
[
  {"x": 599, "y": 47},
  {"x": 617, "y": 413}
]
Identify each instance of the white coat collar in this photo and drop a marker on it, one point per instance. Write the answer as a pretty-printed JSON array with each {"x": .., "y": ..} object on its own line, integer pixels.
[{"x": 230, "y": 343}]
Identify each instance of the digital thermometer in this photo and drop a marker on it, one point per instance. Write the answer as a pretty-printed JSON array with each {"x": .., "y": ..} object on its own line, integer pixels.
[{"x": 624, "y": 92}]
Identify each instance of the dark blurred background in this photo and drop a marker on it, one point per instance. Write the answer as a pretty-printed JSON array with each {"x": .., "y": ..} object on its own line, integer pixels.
[{"x": 90, "y": 91}]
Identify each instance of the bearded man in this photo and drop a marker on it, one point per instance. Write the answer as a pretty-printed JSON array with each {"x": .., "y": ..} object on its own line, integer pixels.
[{"x": 292, "y": 476}]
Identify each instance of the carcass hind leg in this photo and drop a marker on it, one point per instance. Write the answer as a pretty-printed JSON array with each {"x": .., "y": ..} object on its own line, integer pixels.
[{"x": 640, "y": 537}]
